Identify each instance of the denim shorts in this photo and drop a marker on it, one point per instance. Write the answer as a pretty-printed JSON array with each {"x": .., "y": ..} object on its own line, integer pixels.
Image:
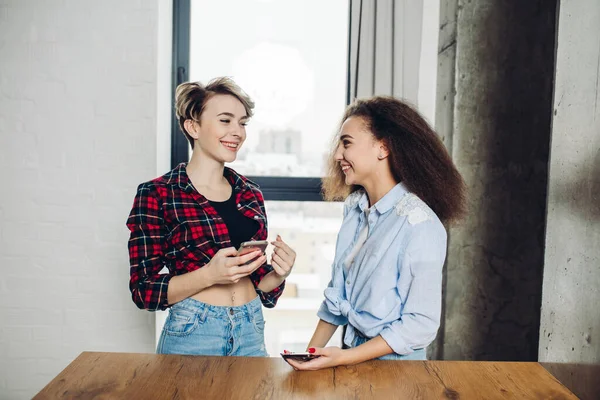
[
  {"x": 196, "y": 328},
  {"x": 418, "y": 354}
]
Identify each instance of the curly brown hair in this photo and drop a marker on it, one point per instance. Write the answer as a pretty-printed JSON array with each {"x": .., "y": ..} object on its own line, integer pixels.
[{"x": 417, "y": 157}]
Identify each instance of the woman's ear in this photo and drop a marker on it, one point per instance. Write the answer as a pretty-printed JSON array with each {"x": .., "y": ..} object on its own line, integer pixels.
[
  {"x": 383, "y": 152},
  {"x": 191, "y": 128}
]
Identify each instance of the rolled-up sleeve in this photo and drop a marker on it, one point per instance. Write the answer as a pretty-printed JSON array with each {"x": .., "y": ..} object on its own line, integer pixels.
[
  {"x": 268, "y": 299},
  {"x": 146, "y": 255}
]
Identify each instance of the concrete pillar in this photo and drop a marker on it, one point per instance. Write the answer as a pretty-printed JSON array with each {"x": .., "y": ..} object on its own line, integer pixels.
[
  {"x": 570, "y": 320},
  {"x": 494, "y": 112}
]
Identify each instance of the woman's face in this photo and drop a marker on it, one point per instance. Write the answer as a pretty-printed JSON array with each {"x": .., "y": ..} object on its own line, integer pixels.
[
  {"x": 358, "y": 152},
  {"x": 222, "y": 128}
]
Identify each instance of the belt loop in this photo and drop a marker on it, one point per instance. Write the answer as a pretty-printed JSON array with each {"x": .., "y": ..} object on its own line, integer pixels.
[
  {"x": 252, "y": 309},
  {"x": 247, "y": 309},
  {"x": 203, "y": 313}
]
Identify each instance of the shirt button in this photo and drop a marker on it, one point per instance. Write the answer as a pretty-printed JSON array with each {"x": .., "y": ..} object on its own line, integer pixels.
[
  {"x": 230, "y": 340},
  {"x": 239, "y": 205},
  {"x": 231, "y": 311},
  {"x": 256, "y": 217},
  {"x": 348, "y": 281}
]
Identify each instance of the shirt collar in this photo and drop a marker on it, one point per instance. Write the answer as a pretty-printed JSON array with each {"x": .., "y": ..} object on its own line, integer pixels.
[
  {"x": 388, "y": 201},
  {"x": 179, "y": 177}
]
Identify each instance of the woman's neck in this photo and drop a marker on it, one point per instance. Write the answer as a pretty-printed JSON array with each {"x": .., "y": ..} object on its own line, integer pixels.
[
  {"x": 205, "y": 171},
  {"x": 379, "y": 186}
]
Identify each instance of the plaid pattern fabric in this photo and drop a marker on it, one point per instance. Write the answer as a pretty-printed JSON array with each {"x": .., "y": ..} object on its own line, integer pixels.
[{"x": 174, "y": 226}]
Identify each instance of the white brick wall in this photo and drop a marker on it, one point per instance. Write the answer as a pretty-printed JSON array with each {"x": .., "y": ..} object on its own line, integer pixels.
[{"x": 78, "y": 131}]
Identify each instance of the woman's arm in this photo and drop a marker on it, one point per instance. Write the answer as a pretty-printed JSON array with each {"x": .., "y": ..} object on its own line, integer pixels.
[
  {"x": 270, "y": 282},
  {"x": 146, "y": 259},
  {"x": 183, "y": 286},
  {"x": 334, "y": 356},
  {"x": 322, "y": 335},
  {"x": 374, "y": 348}
]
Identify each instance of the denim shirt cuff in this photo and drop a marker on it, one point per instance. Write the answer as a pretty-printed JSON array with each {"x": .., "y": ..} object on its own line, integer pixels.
[{"x": 395, "y": 341}]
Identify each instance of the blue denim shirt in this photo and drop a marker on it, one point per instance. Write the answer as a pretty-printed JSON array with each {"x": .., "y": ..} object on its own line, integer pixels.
[{"x": 394, "y": 286}]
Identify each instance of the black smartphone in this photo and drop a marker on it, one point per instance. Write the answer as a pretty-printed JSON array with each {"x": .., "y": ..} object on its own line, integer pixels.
[{"x": 302, "y": 357}]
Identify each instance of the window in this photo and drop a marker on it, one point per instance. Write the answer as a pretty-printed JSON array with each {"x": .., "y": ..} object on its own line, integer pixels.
[{"x": 291, "y": 57}]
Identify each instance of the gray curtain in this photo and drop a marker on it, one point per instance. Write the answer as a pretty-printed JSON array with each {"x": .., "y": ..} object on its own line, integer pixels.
[{"x": 385, "y": 48}]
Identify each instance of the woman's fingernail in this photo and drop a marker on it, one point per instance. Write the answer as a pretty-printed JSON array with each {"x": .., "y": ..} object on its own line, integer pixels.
[
  {"x": 285, "y": 352},
  {"x": 311, "y": 350}
]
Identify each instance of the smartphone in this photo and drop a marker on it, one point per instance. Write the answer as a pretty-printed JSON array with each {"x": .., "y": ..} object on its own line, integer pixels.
[
  {"x": 252, "y": 245},
  {"x": 302, "y": 357}
]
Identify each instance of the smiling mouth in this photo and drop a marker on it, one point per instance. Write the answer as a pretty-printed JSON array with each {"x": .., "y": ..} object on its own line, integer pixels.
[
  {"x": 345, "y": 168},
  {"x": 230, "y": 145}
]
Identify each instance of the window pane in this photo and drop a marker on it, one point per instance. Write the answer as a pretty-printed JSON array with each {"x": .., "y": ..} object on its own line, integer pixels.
[
  {"x": 290, "y": 56},
  {"x": 310, "y": 228}
]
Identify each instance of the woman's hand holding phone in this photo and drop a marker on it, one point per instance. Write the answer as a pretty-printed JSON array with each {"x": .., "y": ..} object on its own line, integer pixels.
[
  {"x": 300, "y": 357},
  {"x": 251, "y": 246},
  {"x": 320, "y": 358},
  {"x": 228, "y": 267}
]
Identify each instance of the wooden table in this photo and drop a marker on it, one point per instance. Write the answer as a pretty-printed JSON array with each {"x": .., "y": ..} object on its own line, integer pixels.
[{"x": 151, "y": 376}]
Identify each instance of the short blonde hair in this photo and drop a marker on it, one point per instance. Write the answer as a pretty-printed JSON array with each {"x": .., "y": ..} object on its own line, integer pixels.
[{"x": 191, "y": 98}]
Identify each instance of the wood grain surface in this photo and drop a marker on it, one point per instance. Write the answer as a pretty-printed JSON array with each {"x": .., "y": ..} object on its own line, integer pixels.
[{"x": 152, "y": 376}]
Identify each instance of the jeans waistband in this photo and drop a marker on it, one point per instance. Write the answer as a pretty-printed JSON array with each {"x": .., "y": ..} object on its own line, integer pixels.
[{"x": 245, "y": 311}]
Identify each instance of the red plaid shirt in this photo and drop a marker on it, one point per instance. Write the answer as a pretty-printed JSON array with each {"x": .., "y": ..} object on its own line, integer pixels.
[{"x": 174, "y": 226}]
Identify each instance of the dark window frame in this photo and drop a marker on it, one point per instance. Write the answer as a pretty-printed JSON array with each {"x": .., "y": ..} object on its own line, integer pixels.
[{"x": 274, "y": 188}]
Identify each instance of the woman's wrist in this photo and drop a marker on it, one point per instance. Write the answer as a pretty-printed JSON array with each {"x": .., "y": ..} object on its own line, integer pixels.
[
  {"x": 270, "y": 281},
  {"x": 348, "y": 357},
  {"x": 277, "y": 278},
  {"x": 203, "y": 278}
]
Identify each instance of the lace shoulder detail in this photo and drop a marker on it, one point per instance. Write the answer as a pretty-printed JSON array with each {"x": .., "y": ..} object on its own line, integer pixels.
[
  {"x": 414, "y": 208},
  {"x": 353, "y": 198}
]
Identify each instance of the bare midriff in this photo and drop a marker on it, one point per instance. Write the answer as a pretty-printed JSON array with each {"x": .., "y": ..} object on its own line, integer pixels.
[{"x": 234, "y": 294}]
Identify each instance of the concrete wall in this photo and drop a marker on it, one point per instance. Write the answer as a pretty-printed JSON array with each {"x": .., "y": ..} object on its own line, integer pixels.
[
  {"x": 78, "y": 132},
  {"x": 570, "y": 320},
  {"x": 494, "y": 112}
]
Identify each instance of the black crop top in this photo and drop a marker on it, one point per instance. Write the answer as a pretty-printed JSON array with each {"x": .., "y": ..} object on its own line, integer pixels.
[{"x": 240, "y": 227}]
